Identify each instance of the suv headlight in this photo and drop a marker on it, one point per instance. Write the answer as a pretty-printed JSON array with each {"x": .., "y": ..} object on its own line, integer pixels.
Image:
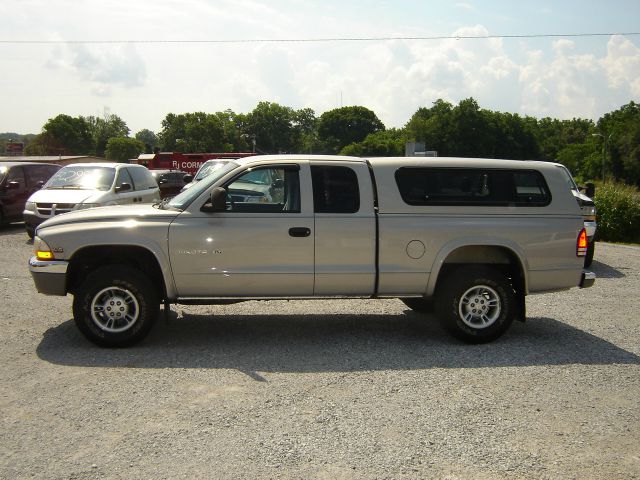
[{"x": 30, "y": 206}]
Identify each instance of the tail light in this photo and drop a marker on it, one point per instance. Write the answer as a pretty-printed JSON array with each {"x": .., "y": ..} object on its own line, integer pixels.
[{"x": 583, "y": 243}]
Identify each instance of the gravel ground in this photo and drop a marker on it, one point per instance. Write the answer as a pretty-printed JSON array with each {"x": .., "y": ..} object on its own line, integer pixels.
[{"x": 345, "y": 389}]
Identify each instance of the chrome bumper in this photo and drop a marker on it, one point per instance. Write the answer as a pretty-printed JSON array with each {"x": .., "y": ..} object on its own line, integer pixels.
[
  {"x": 50, "y": 276},
  {"x": 587, "y": 279}
]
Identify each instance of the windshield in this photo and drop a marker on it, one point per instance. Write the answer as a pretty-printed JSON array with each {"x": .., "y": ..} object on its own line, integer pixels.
[
  {"x": 208, "y": 168},
  {"x": 81, "y": 178},
  {"x": 184, "y": 199}
]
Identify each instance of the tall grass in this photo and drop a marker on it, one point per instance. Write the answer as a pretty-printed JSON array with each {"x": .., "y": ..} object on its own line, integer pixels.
[{"x": 618, "y": 207}]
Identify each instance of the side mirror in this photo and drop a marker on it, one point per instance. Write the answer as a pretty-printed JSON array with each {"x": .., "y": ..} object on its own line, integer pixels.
[
  {"x": 124, "y": 187},
  {"x": 278, "y": 183},
  {"x": 162, "y": 181},
  {"x": 39, "y": 184},
  {"x": 217, "y": 201},
  {"x": 187, "y": 178}
]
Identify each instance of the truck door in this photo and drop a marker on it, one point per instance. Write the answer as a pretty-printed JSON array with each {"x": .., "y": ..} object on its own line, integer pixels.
[
  {"x": 345, "y": 229},
  {"x": 261, "y": 246}
]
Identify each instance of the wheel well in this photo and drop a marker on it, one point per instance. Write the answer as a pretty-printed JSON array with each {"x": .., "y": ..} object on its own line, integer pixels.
[
  {"x": 500, "y": 258},
  {"x": 88, "y": 259}
]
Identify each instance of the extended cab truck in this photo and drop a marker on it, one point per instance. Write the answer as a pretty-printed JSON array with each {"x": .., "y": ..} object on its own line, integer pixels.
[{"x": 472, "y": 237}]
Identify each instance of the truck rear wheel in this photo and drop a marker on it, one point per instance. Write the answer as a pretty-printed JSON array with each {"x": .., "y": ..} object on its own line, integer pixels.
[
  {"x": 476, "y": 304},
  {"x": 115, "y": 306}
]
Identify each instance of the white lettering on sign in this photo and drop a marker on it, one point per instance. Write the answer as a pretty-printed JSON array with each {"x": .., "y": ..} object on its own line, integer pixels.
[
  {"x": 174, "y": 164},
  {"x": 190, "y": 165}
]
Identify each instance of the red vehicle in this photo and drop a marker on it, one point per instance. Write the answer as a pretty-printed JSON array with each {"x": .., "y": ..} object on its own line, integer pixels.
[{"x": 187, "y": 162}]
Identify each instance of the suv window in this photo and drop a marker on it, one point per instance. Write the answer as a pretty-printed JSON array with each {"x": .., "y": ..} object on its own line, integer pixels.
[
  {"x": 124, "y": 177},
  {"x": 272, "y": 189},
  {"x": 142, "y": 178},
  {"x": 335, "y": 189},
  {"x": 16, "y": 174},
  {"x": 39, "y": 173},
  {"x": 472, "y": 186}
]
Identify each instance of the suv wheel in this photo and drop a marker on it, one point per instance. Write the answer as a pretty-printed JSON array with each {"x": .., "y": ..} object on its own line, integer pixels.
[
  {"x": 115, "y": 306},
  {"x": 476, "y": 304}
]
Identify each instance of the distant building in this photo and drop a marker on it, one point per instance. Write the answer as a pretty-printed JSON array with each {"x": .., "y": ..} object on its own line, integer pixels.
[
  {"x": 418, "y": 149},
  {"x": 57, "y": 159}
]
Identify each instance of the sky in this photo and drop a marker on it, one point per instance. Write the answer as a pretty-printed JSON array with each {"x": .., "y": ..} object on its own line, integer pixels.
[{"x": 105, "y": 56}]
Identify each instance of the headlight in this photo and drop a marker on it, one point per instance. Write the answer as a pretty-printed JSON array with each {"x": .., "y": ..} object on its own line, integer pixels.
[
  {"x": 83, "y": 206},
  {"x": 30, "y": 206},
  {"x": 42, "y": 250}
]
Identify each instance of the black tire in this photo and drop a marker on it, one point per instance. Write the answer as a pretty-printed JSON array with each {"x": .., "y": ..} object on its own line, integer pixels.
[
  {"x": 421, "y": 305},
  {"x": 130, "y": 298},
  {"x": 588, "y": 259},
  {"x": 476, "y": 304}
]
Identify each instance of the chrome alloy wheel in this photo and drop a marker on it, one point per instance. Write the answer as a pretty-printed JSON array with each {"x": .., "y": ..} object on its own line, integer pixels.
[
  {"x": 114, "y": 309},
  {"x": 479, "y": 307}
]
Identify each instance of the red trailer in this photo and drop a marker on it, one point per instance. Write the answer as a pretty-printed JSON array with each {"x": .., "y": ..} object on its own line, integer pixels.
[{"x": 187, "y": 162}]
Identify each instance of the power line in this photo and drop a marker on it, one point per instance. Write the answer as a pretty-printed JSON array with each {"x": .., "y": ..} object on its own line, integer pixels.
[{"x": 315, "y": 40}]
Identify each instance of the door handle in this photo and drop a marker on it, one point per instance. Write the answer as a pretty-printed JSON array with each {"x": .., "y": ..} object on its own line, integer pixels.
[{"x": 299, "y": 232}]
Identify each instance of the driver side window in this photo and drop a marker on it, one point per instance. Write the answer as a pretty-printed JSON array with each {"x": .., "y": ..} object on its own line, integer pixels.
[{"x": 265, "y": 190}]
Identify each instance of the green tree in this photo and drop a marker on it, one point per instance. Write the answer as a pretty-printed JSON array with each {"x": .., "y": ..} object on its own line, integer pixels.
[
  {"x": 276, "y": 128},
  {"x": 622, "y": 129},
  {"x": 385, "y": 143},
  {"x": 121, "y": 149},
  {"x": 234, "y": 138},
  {"x": 432, "y": 126},
  {"x": 343, "y": 126},
  {"x": 104, "y": 128},
  {"x": 63, "y": 135},
  {"x": 149, "y": 139},
  {"x": 192, "y": 132}
]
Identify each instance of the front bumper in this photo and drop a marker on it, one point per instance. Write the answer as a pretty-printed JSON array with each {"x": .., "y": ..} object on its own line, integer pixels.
[
  {"x": 50, "y": 276},
  {"x": 588, "y": 279}
]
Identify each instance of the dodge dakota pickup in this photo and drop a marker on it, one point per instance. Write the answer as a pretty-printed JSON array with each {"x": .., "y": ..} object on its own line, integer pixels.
[{"x": 468, "y": 239}]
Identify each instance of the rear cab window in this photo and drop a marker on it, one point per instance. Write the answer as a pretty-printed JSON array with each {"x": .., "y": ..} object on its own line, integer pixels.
[
  {"x": 472, "y": 186},
  {"x": 335, "y": 189}
]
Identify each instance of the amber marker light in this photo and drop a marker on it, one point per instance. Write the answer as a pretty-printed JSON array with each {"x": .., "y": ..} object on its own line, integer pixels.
[{"x": 43, "y": 252}]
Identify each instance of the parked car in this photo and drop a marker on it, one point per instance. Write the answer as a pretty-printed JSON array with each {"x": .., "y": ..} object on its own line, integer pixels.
[
  {"x": 86, "y": 185},
  {"x": 18, "y": 180},
  {"x": 171, "y": 182},
  {"x": 473, "y": 237}
]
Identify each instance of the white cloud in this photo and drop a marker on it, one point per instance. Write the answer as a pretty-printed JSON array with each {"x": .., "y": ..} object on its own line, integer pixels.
[
  {"x": 102, "y": 66},
  {"x": 144, "y": 82}
]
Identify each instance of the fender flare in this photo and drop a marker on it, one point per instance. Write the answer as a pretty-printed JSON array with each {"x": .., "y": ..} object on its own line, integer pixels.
[{"x": 453, "y": 245}]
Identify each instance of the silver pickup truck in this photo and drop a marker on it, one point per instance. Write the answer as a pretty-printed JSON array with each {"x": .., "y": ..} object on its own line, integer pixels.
[{"x": 466, "y": 238}]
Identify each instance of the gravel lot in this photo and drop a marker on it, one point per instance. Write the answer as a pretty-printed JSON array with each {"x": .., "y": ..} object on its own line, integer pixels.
[{"x": 324, "y": 389}]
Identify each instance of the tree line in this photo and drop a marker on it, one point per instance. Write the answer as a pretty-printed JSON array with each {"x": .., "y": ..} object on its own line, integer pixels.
[{"x": 609, "y": 147}]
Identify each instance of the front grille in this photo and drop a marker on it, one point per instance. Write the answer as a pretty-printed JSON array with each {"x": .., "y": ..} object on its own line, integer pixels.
[{"x": 51, "y": 209}]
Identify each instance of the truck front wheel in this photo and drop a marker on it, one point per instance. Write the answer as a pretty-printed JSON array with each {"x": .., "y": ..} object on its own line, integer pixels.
[
  {"x": 115, "y": 306},
  {"x": 476, "y": 304}
]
